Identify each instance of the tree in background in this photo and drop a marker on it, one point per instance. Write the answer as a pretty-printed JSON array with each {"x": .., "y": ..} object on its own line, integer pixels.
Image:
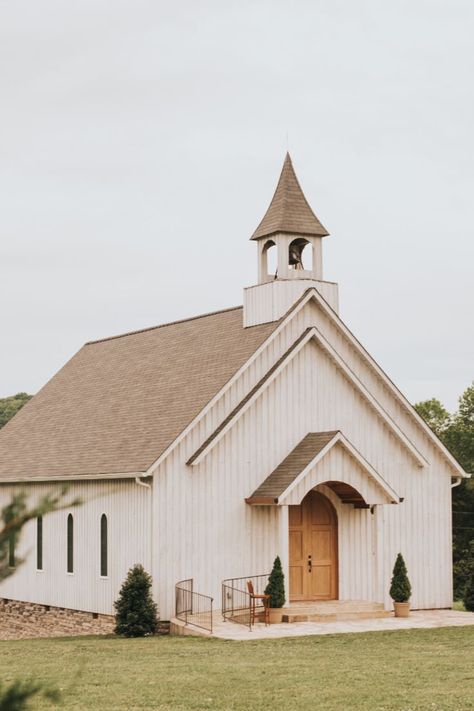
[
  {"x": 468, "y": 597},
  {"x": 435, "y": 415},
  {"x": 457, "y": 433},
  {"x": 9, "y": 406},
  {"x": 136, "y": 613}
]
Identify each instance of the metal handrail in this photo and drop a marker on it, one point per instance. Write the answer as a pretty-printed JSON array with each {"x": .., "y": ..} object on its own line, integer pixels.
[
  {"x": 237, "y": 601},
  {"x": 191, "y": 607}
]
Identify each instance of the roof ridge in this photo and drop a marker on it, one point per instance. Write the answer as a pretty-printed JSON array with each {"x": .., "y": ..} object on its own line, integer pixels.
[{"x": 162, "y": 325}]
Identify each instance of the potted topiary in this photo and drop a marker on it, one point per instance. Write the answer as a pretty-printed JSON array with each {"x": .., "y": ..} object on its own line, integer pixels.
[
  {"x": 276, "y": 589},
  {"x": 400, "y": 588}
]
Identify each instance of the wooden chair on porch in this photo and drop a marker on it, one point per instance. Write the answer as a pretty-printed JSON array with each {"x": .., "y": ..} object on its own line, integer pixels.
[{"x": 253, "y": 603}]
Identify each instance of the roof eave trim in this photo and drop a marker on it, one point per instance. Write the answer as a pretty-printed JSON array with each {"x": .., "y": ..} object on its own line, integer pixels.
[
  {"x": 262, "y": 500},
  {"x": 284, "y": 231},
  {"x": 25, "y": 479}
]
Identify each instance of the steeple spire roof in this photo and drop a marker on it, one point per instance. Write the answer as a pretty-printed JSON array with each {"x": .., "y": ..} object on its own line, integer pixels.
[{"x": 289, "y": 210}]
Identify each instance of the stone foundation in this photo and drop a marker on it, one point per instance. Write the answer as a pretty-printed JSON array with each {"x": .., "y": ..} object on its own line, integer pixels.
[{"x": 22, "y": 620}]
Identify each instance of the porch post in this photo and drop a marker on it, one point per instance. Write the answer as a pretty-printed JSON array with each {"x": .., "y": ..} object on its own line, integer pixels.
[
  {"x": 283, "y": 547},
  {"x": 378, "y": 547}
]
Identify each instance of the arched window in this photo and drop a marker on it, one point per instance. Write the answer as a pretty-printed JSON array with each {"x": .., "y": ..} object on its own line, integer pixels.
[
  {"x": 70, "y": 544},
  {"x": 103, "y": 545},
  {"x": 39, "y": 543}
]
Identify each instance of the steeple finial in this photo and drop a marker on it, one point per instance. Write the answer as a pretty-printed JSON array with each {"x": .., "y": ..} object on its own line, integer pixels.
[{"x": 289, "y": 211}]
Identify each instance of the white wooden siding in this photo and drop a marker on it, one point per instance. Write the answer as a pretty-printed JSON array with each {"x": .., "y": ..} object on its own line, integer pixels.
[
  {"x": 270, "y": 301},
  {"x": 127, "y": 507}
]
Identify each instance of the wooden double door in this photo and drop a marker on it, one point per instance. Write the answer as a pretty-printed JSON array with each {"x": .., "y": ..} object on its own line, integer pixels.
[{"x": 313, "y": 549}]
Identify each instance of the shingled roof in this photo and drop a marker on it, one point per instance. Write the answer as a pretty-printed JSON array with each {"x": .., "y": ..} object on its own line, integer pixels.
[
  {"x": 289, "y": 210},
  {"x": 120, "y": 402}
]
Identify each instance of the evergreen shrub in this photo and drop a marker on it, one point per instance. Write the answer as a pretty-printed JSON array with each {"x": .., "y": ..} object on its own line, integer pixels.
[
  {"x": 276, "y": 585},
  {"x": 136, "y": 613},
  {"x": 400, "y": 588}
]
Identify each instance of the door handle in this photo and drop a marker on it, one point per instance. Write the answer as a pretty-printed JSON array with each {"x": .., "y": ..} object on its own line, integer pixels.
[{"x": 310, "y": 564}]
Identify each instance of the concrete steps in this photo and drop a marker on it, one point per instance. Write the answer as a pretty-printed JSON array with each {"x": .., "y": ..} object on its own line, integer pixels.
[{"x": 333, "y": 611}]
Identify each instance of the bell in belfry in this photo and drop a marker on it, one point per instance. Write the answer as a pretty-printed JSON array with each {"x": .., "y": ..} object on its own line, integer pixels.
[{"x": 294, "y": 256}]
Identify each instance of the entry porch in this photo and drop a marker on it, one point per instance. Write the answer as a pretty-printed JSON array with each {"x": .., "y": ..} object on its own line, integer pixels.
[
  {"x": 200, "y": 616},
  {"x": 328, "y": 501}
]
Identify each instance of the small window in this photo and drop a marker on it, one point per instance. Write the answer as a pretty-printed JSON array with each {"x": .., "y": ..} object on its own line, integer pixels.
[
  {"x": 39, "y": 543},
  {"x": 70, "y": 544},
  {"x": 11, "y": 552},
  {"x": 103, "y": 545}
]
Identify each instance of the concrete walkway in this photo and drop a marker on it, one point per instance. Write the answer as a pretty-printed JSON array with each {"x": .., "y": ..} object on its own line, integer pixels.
[{"x": 423, "y": 619}]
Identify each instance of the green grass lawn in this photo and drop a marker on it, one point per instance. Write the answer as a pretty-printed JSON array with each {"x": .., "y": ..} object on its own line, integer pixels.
[{"x": 413, "y": 670}]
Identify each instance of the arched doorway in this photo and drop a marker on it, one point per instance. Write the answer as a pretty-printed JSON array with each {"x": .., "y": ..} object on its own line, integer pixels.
[{"x": 313, "y": 549}]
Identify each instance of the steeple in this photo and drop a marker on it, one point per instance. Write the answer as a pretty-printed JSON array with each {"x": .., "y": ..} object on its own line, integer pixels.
[
  {"x": 289, "y": 210},
  {"x": 291, "y": 231}
]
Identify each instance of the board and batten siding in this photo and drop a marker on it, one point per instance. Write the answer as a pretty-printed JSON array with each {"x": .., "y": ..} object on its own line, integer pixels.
[
  {"x": 208, "y": 532},
  {"x": 127, "y": 507}
]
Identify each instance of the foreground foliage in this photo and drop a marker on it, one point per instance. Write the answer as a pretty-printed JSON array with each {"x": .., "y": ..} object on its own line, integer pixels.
[
  {"x": 18, "y": 695},
  {"x": 412, "y": 670},
  {"x": 13, "y": 517},
  {"x": 16, "y": 514}
]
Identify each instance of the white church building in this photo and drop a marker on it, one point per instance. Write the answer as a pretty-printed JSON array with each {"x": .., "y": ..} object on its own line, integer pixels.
[{"x": 205, "y": 447}]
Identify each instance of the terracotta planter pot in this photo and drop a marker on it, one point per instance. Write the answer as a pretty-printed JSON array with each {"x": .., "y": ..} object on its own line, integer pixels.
[
  {"x": 402, "y": 609},
  {"x": 276, "y": 614}
]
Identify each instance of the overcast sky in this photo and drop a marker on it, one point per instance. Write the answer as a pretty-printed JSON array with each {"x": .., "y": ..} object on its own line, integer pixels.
[{"x": 140, "y": 145}]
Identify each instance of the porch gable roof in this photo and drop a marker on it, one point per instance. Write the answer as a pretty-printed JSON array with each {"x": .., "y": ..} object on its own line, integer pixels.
[{"x": 307, "y": 453}]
